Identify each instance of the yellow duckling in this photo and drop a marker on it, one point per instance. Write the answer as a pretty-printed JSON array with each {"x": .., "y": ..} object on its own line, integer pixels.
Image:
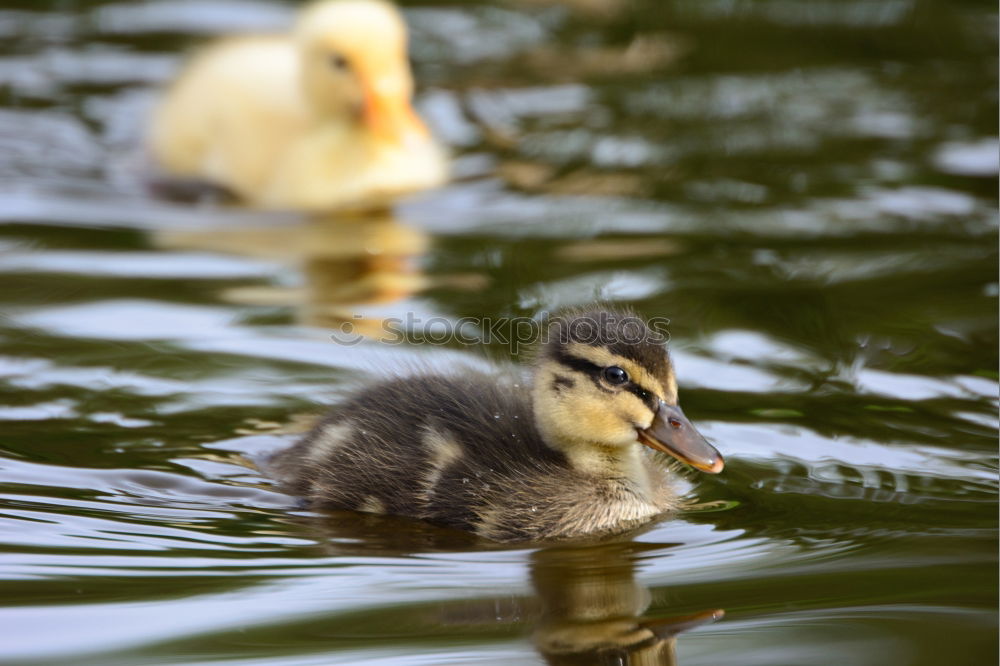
[
  {"x": 311, "y": 120},
  {"x": 485, "y": 454}
]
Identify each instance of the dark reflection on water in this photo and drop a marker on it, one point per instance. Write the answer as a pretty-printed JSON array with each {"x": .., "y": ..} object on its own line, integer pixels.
[
  {"x": 807, "y": 189},
  {"x": 591, "y": 608}
]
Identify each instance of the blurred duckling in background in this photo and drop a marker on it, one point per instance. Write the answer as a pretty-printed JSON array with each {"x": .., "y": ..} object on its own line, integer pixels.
[
  {"x": 311, "y": 120},
  {"x": 488, "y": 455}
]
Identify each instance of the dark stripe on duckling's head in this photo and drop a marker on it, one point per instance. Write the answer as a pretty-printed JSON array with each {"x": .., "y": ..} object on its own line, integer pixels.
[
  {"x": 621, "y": 333},
  {"x": 649, "y": 398},
  {"x": 596, "y": 342},
  {"x": 560, "y": 382},
  {"x": 595, "y": 371},
  {"x": 579, "y": 365}
]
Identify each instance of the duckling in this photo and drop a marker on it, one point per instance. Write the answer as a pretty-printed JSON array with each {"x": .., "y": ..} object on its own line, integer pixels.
[
  {"x": 485, "y": 454},
  {"x": 311, "y": 120}
]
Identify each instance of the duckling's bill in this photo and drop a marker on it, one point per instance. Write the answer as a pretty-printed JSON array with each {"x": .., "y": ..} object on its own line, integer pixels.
[
  {"x": 389, "y": 115},
  {"x": 673, "y": 434}
]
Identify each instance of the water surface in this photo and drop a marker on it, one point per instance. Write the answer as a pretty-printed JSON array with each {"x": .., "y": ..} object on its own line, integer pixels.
[{"x": 808, "y": 190}]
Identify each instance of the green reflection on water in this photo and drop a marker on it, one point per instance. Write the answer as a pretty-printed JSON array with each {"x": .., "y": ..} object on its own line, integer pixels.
[{"x": 804, "y": 188}]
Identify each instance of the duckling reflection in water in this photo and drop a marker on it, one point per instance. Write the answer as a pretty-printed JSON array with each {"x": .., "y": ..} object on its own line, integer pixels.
[
  {"x": 591, "y": 608},
  {"x": 346, "y": 263},
  {"x": 312, "y": 120},
  {"x": 587, "y": 605},
  {"x": 482, "y": 453}
]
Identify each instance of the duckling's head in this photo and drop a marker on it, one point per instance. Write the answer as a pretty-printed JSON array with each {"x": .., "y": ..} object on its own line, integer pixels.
[
  {"x": 354, "y": 65},
  {"x": 604, "y": 383}
]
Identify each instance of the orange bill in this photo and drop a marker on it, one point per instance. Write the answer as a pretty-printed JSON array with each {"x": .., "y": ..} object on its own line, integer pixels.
[{"x": 391, "y": 117}]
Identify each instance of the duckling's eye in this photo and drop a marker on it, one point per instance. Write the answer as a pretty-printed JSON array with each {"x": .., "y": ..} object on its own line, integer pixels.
[
  {"x": 615, "y": 375},
  {"x": 339, "y": 62}
]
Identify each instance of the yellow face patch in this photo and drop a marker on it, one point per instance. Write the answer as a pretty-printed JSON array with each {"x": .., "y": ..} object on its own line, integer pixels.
[{"x": 570, "y": 408}]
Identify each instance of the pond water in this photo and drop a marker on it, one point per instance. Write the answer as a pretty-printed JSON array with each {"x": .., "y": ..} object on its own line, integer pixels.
[{"x": 807, "y": 189}]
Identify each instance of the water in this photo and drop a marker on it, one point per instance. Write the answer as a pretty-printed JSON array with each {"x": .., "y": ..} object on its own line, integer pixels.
[{"x": 808, "y": 190}]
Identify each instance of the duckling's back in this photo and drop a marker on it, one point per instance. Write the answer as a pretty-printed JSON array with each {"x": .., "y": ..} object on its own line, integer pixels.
[
  {"x": 218, "y": 123},
  {"x": 462, "y": 452}
]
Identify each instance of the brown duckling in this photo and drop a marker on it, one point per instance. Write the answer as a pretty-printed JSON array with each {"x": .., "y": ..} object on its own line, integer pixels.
[{"x": 482, "y": 453}]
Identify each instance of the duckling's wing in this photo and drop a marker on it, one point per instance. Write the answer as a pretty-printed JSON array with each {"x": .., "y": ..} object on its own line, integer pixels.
[{"x": 432, "y": 447}]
